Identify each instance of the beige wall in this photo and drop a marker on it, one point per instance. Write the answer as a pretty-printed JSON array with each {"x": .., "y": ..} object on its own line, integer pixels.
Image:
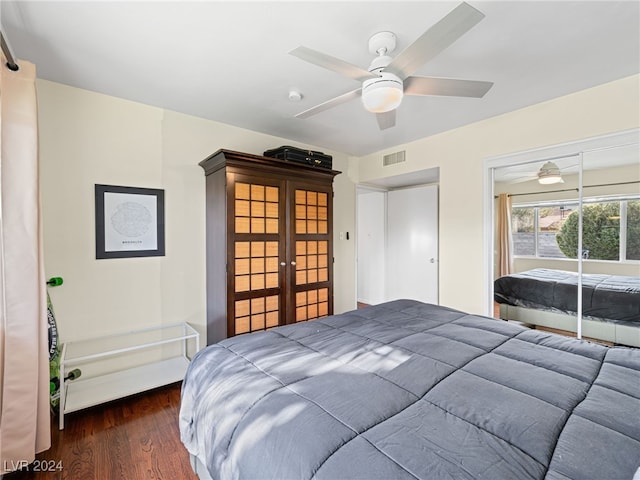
[
  {"x": 88, "y": 138},
  {"x": 460, "y": 154}
]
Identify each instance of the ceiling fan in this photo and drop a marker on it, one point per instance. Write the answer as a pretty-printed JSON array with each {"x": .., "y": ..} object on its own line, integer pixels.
[
  {"x": 388, "y": 79},
  {"x": 548, "y": 174}
]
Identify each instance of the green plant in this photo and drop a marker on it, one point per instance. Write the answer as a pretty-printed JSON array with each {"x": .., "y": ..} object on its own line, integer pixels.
[
  {"x": 600, "y": 232},
  {"x": 633, "y": 230}
]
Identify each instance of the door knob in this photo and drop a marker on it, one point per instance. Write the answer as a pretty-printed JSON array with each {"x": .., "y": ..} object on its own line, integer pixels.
[
  {"x": 283, "y": 264},
  {"x": 433, "y": 260}
]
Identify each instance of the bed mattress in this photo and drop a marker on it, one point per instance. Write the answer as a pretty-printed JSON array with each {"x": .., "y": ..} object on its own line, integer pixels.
[
  {"x": 609, "y": 297},
  {"x": 412, "y": 390}
]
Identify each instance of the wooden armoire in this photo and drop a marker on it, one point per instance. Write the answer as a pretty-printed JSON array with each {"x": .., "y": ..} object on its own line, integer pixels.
[{"x": 269, "y": 243}]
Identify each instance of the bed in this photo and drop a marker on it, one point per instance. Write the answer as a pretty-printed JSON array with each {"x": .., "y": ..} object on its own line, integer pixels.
[
  {"x": 407, "y": 390},
  {"x": 545, "y": 297}
]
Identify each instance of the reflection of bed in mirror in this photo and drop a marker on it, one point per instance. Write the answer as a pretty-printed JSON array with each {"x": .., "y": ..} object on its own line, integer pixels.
[{"x": 549, "y": 298}]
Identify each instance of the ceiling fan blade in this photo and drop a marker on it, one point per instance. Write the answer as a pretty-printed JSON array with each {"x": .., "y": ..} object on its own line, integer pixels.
[
  {"x": 332, "y": 63},
  {"x": 455, "y": 24},
  {"x": 445, "y": 86},
  {"x": 522, "y": 179},
  {"x": 330, "y": 103},
  {"x": 386, "y": 119}
]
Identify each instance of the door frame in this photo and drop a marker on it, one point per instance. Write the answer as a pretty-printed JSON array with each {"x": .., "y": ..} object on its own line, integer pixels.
[{"x": 371, "y": 187}]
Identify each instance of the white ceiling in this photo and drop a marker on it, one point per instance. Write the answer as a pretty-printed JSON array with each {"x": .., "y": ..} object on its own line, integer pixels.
[{"x": 229, "y": 61}]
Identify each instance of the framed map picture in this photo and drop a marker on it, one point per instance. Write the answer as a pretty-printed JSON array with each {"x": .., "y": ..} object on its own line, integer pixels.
[{"x": 129, "y": 222}]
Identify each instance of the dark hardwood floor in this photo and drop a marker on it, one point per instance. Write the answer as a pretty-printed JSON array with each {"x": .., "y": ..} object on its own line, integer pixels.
[{"x": 129, "y": 439}]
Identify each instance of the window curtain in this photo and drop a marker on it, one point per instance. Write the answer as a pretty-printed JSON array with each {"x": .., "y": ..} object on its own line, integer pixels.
[
  {"x": 503, "y": 236},
  {"x": 24, "y": 357}
]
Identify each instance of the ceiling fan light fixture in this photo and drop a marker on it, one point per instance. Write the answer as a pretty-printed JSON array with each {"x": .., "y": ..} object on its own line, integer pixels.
[
  {"x": 549, "y": 174},
  {"x": 382, "y": 94},
  {"x": 550, "y": 179}
]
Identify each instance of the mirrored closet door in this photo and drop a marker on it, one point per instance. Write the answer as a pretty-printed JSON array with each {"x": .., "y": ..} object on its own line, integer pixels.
[
  {"x": 611, "y": 244},
  {"x": 565, "y": 230}
]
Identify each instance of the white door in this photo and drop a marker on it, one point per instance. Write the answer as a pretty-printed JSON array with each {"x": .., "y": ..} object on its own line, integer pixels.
[
  {"x": 371, "y": 246},
  {"x": 412, "y": 244}
]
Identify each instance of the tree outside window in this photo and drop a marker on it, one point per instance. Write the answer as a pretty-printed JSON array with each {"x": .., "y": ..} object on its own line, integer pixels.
[
  {"x": 633, "y": 230},
  {"x": 550, "y": 222},
  {"x": 600, "y": 232}
]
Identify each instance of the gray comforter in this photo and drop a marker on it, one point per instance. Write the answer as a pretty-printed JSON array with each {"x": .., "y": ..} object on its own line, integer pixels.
[
  {"x": 613, "y": 298},
  {"x": 411, "y": 390}
]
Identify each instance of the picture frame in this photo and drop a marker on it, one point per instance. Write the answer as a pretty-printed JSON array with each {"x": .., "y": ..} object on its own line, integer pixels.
[{"x": 129, "y": 222}]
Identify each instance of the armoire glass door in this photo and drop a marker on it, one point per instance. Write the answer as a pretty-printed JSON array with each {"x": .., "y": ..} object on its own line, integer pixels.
[
  {"x": 258, "y": 253},
  {"x": 311, "y": 283}
]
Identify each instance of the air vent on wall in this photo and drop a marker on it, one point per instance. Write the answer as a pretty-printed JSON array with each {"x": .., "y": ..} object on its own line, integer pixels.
[{"x": 393, "y": 158}]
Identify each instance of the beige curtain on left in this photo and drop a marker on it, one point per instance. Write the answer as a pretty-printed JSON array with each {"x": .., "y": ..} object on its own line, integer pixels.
[
  {"x": 24, "y": 356},
  {"x": 504, "y": 262}
]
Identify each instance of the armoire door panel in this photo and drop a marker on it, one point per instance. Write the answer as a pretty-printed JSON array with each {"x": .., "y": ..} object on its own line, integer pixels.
[
  {"x": 312, "y": 304},
  {"x": 256, "y": 276},
  {"x": 311, "y": 250}
]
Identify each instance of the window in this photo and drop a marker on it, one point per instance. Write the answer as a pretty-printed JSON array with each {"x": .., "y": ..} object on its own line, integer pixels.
[
  {"x": 633, "y": 230},
  {"x": 550, "y": 222},
  {"x": 611, "y": 229},
  {"x": 523, "y": 230}
]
